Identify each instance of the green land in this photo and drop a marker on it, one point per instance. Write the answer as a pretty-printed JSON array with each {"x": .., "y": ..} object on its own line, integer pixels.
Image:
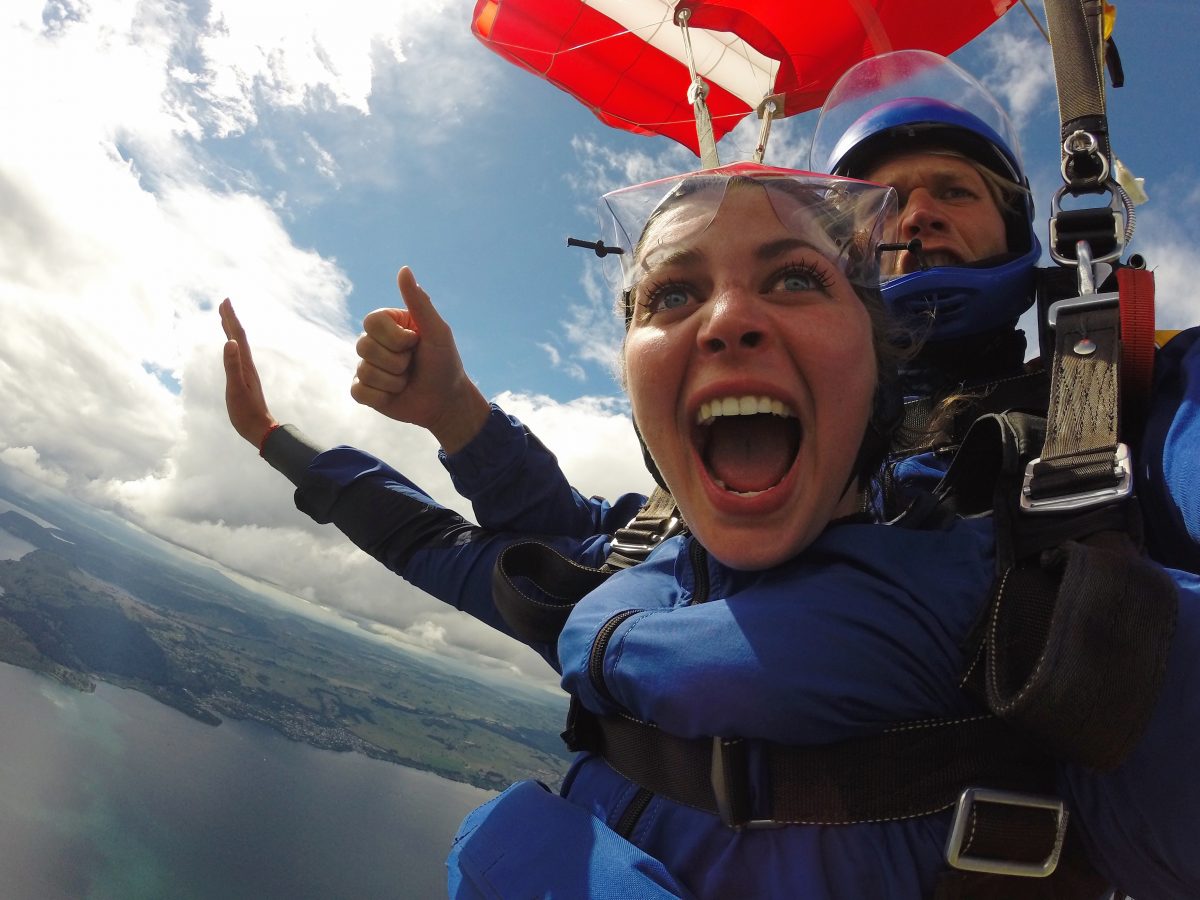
[{"x": 94, "y": 602}]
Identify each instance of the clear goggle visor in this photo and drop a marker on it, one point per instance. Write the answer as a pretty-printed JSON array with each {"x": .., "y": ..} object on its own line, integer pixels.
[{"x": 844, "y": 219}]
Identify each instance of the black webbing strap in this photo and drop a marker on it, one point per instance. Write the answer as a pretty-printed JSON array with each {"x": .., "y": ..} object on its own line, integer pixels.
[
  {"x": 1077, "y": 643},
  {"x": 1079, "y": 625},
  {"x": 912, "y": 769},
  {"x": 535, "y": 588}
]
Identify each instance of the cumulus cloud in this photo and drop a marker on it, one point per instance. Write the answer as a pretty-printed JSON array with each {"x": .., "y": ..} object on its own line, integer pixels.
[
  {"x": 123, "y": 223},
  {"x": 1021, "y": 88}
]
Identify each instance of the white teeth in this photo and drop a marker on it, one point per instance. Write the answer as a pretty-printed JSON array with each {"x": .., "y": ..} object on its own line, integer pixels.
[
  {"x": 719, "y": 483},
  {"x": 741, "y": 406}
]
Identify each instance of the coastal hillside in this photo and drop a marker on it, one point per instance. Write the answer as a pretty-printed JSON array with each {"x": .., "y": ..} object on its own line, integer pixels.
[{"x": 82, "y": 600}]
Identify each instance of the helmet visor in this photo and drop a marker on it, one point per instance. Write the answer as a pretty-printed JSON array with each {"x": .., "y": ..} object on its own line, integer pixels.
[
  {"x": 906, "y": 90},
  {"x": 842, "y": 218}
]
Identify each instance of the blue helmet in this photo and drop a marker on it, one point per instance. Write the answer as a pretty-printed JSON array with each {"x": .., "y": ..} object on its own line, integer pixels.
[{"x": 951, "y": 301}]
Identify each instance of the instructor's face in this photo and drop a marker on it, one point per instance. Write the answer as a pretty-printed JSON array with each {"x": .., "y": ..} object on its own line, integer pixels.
[{"x": 945, "y": 203}]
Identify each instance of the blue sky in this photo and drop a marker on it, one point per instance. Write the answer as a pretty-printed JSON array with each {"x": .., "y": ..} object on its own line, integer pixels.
[{"x": 160, "y": 155}]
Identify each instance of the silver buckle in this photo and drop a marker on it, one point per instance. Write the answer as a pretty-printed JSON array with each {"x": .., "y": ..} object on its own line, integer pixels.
[
  {"x": 651, "y": 539},
  {"x": 962, "y": 817},
  {"x": 1122, "y": 469},
  {"x": 1084, "y": 301}
]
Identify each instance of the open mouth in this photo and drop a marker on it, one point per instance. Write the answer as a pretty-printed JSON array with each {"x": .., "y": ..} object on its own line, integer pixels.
[
  {"x": 929, "y": 259},
  {"x": 747, "y": 444}
]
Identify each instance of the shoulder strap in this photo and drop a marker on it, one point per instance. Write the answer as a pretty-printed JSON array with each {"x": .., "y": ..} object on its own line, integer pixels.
[
  {"x": 535, "y": 587},
  {"x": 1077, "y": 611}
]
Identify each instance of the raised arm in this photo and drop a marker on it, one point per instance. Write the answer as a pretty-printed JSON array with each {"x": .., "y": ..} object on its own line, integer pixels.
[
  {"x": 380, "y": 510},
  {"x": 411, "y": 371}
]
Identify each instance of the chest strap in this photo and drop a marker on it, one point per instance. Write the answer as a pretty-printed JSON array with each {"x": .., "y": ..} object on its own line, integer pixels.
[{"x": 910, "y": 770}]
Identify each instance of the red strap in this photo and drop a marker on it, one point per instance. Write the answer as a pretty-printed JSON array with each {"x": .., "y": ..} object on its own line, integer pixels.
[{"x": 1136, "y": 287}]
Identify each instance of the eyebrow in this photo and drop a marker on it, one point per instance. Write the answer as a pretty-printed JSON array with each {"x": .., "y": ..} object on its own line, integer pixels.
[
  {"x": 936, "y": 180},
  {"x": 784, "y": 245}
]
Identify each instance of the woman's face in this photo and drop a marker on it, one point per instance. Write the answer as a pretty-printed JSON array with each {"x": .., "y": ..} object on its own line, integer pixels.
[{"x": 751, "y": 372}]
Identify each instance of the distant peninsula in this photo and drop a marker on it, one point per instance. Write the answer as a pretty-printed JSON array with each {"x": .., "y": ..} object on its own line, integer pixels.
[{"x": 82, "y": 606}]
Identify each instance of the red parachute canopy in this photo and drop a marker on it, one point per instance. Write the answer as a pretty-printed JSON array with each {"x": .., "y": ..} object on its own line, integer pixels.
[{"x": 624, "y": 59}]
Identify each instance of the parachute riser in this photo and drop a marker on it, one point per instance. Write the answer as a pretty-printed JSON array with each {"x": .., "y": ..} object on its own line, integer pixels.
[
  {"x": 1087, "y": 163},
  {"x": 697, "y": 91},
  {"x": 771, "y": 108}
]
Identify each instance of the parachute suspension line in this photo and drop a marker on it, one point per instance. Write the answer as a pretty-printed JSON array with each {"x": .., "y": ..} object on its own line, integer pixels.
[
  {"x": 1036, "y": 20},
  {"x": 767, "y": 110},
  {"x": 697, "y": 91}
]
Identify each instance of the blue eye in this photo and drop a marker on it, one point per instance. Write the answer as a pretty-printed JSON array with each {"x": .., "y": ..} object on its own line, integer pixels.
[
  {"x": 800, "y": 278},
  {"x": 958, "y": 192},
  {"x": 671, "y": 297},
  {"x": 799, "y": 281}
]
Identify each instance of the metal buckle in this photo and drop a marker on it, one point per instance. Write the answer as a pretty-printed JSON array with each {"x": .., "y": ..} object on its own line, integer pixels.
[
  {"x": 722, "y": 791},
  {"x": 1073, "y": 304},
  {"x": 1122, "y": 469},
  {"x": 1118, "y": 213},
  {"x": 962, "y": 817},
  {"x": 641, "y": 549}
]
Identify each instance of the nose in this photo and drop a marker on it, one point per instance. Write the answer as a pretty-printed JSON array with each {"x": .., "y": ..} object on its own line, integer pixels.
[
  {"x": 734, "y": 320},
  {"x": 921, "y": 214}
]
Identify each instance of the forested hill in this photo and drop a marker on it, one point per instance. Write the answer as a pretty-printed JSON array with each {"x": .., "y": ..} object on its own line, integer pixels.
[{"x": 92, "y": 603}]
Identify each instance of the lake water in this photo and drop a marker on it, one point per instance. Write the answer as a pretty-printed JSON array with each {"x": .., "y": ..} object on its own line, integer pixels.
[{"x": 113, "y": 796}]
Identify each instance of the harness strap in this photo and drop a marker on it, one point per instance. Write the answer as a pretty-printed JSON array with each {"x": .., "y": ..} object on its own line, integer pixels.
[
  {"x": 1076, "y": 647},
  {"x": 1078, "y": 49},
  {"x": 1082, "y": 422},
  {"x": 535, "y": 587},
  {"x": 911, "y": 769}
]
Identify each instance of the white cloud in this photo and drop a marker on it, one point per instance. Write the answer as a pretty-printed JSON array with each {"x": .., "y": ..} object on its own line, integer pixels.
[
  {"x": 593, "y": 439},
  {"x": 25, "y": 460},
  {"x": 301, "y": 52},
  {"x": 1022, "y": 89},
  {"x": 120, "y": 229}
]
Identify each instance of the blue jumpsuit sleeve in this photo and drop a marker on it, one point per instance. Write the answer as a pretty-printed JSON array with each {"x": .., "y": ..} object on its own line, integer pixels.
[
  {"x": 514, "y": 483},
  {"x": 850, "y": 635},
  {"x": 1169, "y": 465},
  {"x": 1140, "y": 823},
  {"x": 395, "y": 521}
]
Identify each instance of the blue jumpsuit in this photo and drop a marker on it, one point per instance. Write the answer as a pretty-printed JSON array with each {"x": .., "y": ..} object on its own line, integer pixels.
[{"x": 863, "y": 629}]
